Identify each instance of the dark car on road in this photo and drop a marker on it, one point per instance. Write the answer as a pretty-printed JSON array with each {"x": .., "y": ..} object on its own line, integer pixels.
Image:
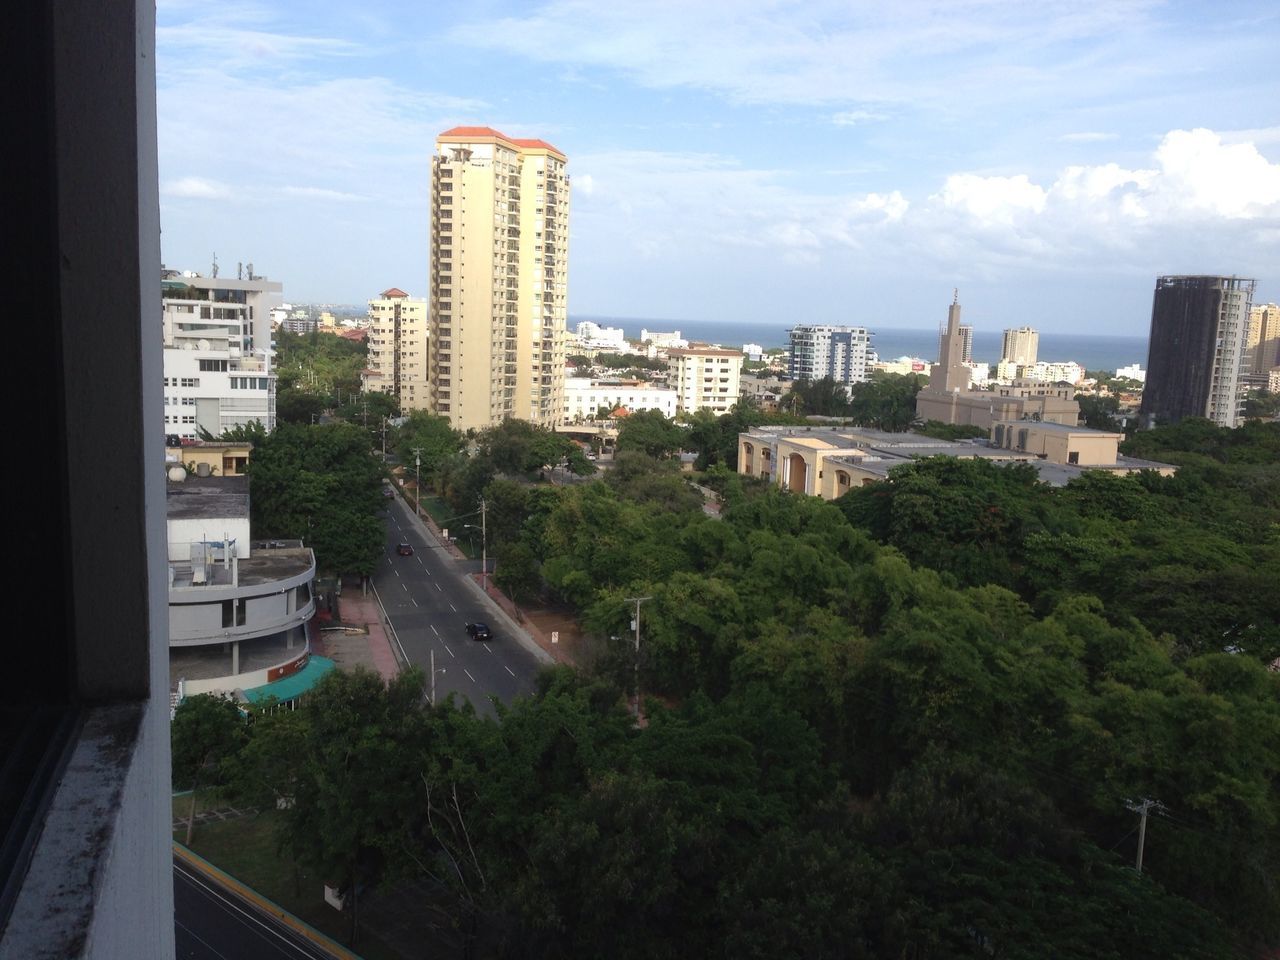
[
  {"x": 479, "y": 631},
  {"x": 405, "y": 550}
]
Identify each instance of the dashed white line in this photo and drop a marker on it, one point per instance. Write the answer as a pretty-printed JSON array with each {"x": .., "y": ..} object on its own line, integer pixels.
[
  {"x": 487, "y": 649},
  {"x": 406, "y": 586},
  {"x": 468, "y": 673},
  {"x": 438, "y": 587},
  {"x": 453, "y": 608},
  {"x": 434, "y": 630},
  {"x": 397, "y": 573},
  {"x": 451, "y": 653},
  {"x": 508, "y": 669},
  {"x": 415, "y": 602}
]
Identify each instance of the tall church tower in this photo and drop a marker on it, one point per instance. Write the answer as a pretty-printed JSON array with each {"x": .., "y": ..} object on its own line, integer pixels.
[{"x": 950, "y": 374}]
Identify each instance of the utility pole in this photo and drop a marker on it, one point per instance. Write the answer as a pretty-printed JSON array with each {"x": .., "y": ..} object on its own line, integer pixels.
[
  {"x": 384, "y": 439},
  {"x": 636, "y": 624},
  {"x": 484, "y": 547},
  {"x": 1142, "y": 808},
  {"x": 417, "y": 480}
]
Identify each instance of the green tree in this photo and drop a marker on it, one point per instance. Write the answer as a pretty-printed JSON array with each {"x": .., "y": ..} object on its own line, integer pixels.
[
  {"x": 1099, "y": 413},
  {"x": 358, "y": 780},
  {"x": 649, "y": 432},
  {"x": 205, "y": 730},
  {"x": 322, "y": 486}
]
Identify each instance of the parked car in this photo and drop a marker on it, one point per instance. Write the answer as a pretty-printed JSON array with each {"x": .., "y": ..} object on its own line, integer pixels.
[
  {"x": 405, "y": 550},
  {"x": 479, "y": 631}
]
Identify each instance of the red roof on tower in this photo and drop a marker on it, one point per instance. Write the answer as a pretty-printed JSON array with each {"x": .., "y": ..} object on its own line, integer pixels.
[
  {"x": 487, "y": 132},
  {"x": 395, "y": 293}
]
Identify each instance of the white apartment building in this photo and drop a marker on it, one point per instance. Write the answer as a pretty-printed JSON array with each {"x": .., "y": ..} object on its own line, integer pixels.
[
  {"x": 659, "y": 339},
  {"x": 1068, "y": 372},
  {"x": 704, "y": 378},
  {"x": 584, "y": 397},
  {"x": 499, "y": 279},
  {"x": 217, "y": 353},
  {"x": 1133, "y": 372},
  {"x": 592, "y": 336},
  {"x": 819, "y": 351},
  {"x": 398, "y": 349}
]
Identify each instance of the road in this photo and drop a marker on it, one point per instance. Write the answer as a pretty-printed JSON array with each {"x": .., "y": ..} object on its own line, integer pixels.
[
  {"x": 211, "y": 923},
  {"x": 429, "y": 603}
]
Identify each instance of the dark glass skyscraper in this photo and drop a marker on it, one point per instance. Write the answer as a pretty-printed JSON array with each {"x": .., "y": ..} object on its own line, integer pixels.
[{"x": 1197, "y": 349}]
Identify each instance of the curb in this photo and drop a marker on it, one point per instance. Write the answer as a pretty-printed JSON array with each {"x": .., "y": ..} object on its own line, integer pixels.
[{"x": 225, "y": 879}]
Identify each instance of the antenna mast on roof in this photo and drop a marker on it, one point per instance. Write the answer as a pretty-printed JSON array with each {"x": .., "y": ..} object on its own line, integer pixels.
[{"x": 215, "y": 266}]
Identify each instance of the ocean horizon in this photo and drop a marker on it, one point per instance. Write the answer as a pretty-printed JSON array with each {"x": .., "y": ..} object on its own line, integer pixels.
[{"x": 1091, "y": 351}]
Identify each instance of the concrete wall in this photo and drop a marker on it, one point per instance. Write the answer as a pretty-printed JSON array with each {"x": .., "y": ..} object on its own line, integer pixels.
[{"x": 99, "y": 882}]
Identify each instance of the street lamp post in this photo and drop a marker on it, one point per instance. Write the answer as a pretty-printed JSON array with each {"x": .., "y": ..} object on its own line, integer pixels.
[{"x": 417, "y": 480}]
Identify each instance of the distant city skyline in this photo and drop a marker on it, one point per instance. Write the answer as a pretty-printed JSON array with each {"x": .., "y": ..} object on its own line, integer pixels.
[{"x": 741, "y": 162}]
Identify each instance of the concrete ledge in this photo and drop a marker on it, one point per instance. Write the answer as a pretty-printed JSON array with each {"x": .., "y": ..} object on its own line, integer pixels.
[{"x": 71, "y": 869}]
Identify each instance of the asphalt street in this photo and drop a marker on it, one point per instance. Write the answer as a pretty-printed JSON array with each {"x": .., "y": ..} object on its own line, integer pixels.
[
  {"x": 211, "y": 923},
  {"x": 429, "y": 602}
]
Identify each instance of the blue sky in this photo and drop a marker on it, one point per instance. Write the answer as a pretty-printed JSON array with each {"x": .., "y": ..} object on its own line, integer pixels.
[{"x": 746, "y": 159}]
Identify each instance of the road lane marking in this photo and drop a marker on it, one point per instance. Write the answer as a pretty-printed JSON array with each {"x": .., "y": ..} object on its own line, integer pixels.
[
  {"x": 438, "y": 586},
  {"x": 397, "y": 573},
  {"x": 487, "y": 648},
  {"x": 406, "y": 587},
  {"x": 468, "y": 673},
  {"x": 508, "y": 669},
  {"x": 434, "y": 630},
  {"x": 415, "y": 602},
  {"x": 451, "y": 653},
  {"x": 453, "y": 608}
]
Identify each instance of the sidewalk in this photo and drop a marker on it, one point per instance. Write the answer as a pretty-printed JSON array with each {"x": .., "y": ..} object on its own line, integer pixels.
[{"x": 365, "y": 643}]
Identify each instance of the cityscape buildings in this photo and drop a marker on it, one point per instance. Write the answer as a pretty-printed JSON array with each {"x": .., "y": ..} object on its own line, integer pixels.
[
  {"x": 819, "y": 351},
  {"x": 1197, "y": 350},
  {"x": 948, "y": 396},
  {"x": 217, "y": 352},
  {"x": 398, "y": 349},
  {"x": 499, "y": 279},
  {"x": 704, "y": 378}
]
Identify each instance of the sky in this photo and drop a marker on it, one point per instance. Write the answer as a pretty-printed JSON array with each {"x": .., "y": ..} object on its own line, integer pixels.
[{"x": 745, "y": 160}]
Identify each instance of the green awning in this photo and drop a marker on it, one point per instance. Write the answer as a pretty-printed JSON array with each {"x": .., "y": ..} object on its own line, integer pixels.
[{"x": 294, "y": 685}]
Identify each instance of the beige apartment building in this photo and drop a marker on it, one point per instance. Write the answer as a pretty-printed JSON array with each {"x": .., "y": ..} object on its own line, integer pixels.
[
  {"x": 1262, "y": 339},
  {"x": 704, "y": 378},
  {"x": 398, "y": 349},
  {"x": 499, "y": 279},
  {"x": 1020, "y": 346}
]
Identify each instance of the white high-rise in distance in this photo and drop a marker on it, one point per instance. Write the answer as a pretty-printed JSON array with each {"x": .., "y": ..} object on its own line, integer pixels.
[{"x": 499, "y": 278}]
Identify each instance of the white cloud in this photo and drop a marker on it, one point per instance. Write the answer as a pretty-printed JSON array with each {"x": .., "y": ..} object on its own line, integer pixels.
[
  {"x": 320, "y": 193},
  {"x": 1199, "y": 202},
  {"x": 584, "y": 184},
  {"x": 999, "y": 199},
  {"x": 1088, "y": 136},
  {"x": 195, "y": 188},
  {"x": 939, "y": 52},
  {"x": 853, "y": 118}
]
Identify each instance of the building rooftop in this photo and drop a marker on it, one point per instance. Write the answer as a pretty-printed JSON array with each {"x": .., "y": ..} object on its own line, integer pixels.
[
  {"x": 488, "y": 133},
  {"x": 266, "y": 564},
  {"x": 208, "y": 497},
  {"x": 1045, "y": 426}
]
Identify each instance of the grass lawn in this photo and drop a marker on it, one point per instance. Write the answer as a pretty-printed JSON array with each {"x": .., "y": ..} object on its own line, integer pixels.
[
  {"x": 206, "y": 799},
  {"x": 246, "y": 849}
]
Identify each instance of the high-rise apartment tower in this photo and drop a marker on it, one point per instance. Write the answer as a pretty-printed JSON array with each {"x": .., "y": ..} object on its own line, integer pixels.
[
  {"x": 1262, "y": 341},
  {"x": 398, "y": 349},
  {"x": 819, "y": 351},
  {"x": 1196, "y": 353},
  {"x": 1020, "y": 346},
  {"x": 499, "y": 278}
]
